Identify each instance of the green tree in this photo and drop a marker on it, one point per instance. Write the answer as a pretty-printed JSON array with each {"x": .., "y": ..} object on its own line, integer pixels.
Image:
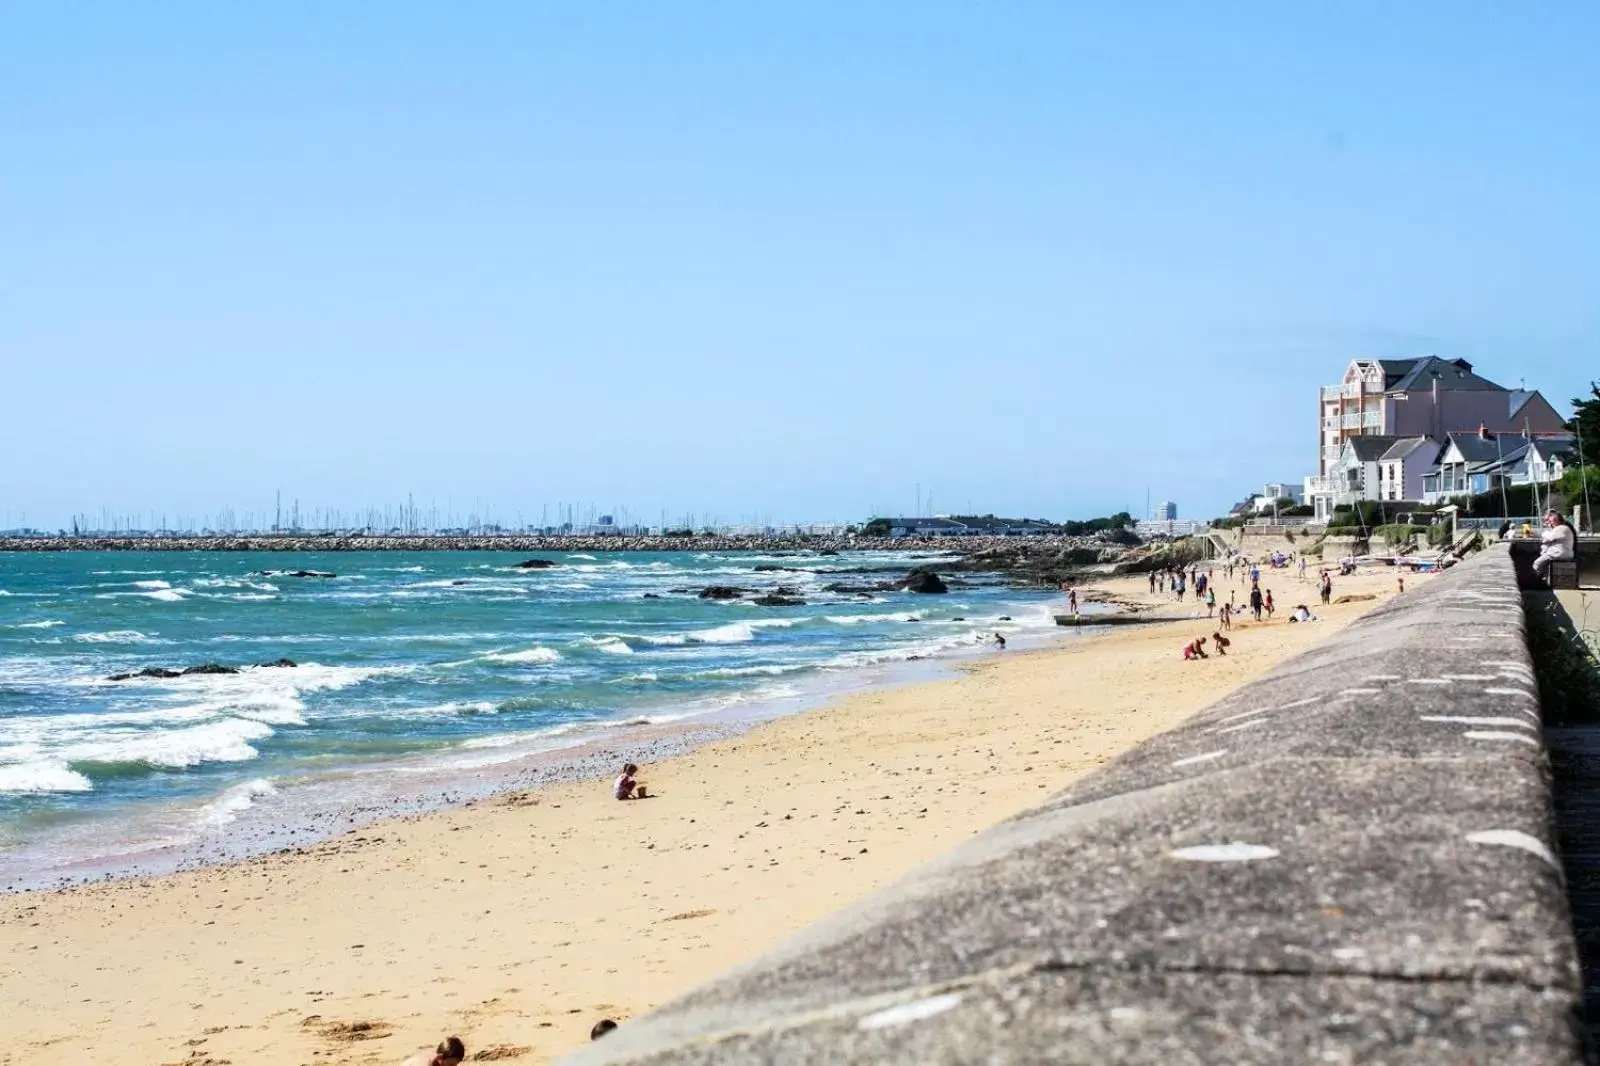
[{"x": 1585, "y": 424}]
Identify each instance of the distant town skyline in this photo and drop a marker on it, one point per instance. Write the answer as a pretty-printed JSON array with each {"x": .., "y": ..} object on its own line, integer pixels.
[{"x": 753, "y": 260}]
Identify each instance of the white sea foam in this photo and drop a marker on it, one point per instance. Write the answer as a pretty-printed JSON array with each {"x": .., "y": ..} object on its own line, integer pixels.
[
  {"x": 626, "y": 679},
  {"x": 581, "y": 555},
  {"x": 116, "y": 636},
  {"x": 236, "y": 800},
  {"x": 227, "y": 740},
  {"x": 443, "y": 710},
  {"x": 166, "y": 595},
  {"x": 528, "y": 655},
  {"x": 868, "y": 619},
  {"x": 611, "y": 645},
  {"x": 152, "y": 584},
  {"x": 732, "y": 633},
  {"x": 48, "y": 623},
  {"x": 42, "y": 775},
  {"x": 775, "y": 670}
]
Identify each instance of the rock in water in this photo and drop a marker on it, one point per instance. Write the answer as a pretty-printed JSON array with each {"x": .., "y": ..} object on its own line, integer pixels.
[
  {"x": 281, "y": 662},
  {"x": 210, "y": 668},
  {"x": 721, "y": 592},
  {"x": 924, "y": 581},
  {"x": 535, "y": 564},
  {"x": 778, "y": 601},
  {"x": 149, "y": 671}
]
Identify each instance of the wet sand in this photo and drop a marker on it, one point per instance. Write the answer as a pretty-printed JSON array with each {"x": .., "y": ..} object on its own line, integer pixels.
[{"x": 519, "y": 921}]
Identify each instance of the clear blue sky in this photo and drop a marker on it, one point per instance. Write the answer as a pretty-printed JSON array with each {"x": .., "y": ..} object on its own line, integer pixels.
[{"x": 787, "y": 260}]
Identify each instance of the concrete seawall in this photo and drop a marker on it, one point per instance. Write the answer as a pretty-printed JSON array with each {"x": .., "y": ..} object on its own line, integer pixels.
[{"x": 1348, "y": 862}]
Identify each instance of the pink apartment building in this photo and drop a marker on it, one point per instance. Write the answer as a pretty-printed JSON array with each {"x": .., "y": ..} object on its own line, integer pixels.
[{"x": 1423, "y": 397}]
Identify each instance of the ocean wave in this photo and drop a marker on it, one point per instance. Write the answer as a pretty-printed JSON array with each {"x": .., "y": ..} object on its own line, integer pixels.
[
  {"x": 235, "y": 801},
  {"x": 48, "y": 623},
  {"x": 234, "y": 583},
  {"x": 228, "y": 740},
  {"x": 732, "y": 633},
  {"x": 580, "y": 555},
  {"x": 528, "y": 655},
  {"x": 773, "y": 670},
  {"x": 610, "y": 645},
  {"x": 117, "y": 636},
  {"x": 635, "y": 678},
  {"x": 156, "y": 584},
  {"x": 42, "y": 775},
  {"x": 166, "y": 595},
  {"x": 868, "y": 619}
]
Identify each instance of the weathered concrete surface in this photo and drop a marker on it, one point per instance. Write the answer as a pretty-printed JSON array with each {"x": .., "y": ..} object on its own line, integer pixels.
[{"x": 1379, "y": 888}]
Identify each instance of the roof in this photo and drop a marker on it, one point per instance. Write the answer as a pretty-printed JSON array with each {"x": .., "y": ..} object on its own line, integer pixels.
[
  {"x": 1453, "y": 374},
  {"x": 1403, "y": 447},
  {"x": 925, "y": 523},
  {"x": 1369, "y": 449},
  {"x": 1478, "y": 449},
  {"x": 1549, "y": 447}
]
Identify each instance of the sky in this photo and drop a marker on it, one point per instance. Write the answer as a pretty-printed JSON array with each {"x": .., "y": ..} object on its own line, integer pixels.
[{"x": 798, "y": 262}]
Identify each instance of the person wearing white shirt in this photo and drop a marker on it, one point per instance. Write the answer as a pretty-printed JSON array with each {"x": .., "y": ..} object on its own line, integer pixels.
[{"x": 1559, "y": 542}]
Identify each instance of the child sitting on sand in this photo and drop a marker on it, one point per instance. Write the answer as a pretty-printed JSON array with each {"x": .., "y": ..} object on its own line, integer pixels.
[
  {"x": 1195, "y": 649},
  {"x": 626, "y": 787},
  {"x": 1221, "y": 643},
  {"x": 449, "y": 1053}
]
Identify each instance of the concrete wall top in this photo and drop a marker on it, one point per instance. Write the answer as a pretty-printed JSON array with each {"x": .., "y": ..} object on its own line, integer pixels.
[{"x": 1350, "y": 861}]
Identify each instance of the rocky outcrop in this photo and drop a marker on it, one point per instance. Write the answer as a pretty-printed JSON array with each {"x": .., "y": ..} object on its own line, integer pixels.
[
  {"x": 722, "y": 592},
  {"x": 165, "y": 673},
  {"x": 924, "y": 581},
  {"x": 535, "y": 564},
  {"x": 774, "y": 600}
]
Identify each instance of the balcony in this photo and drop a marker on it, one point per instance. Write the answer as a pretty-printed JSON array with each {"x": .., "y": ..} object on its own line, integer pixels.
[
  {"x": 1339, "y": 392},
  {"x": 1372, "y": 419}
]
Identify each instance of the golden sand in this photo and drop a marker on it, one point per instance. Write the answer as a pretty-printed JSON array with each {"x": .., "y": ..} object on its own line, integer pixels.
[{"x": 520, "y": 921}]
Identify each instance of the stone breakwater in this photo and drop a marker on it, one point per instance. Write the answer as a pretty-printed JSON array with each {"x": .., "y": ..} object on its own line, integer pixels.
[{"x": 261, "y": 542}]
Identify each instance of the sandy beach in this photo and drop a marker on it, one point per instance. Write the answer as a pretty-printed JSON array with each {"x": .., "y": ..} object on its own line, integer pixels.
[{"x": 520, "y": 921}]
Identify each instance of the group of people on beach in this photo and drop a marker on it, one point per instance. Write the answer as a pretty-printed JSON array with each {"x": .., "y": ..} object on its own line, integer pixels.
[
  {"x": 452, "y": 1052},
  {"x": 1259, "y": 600}
]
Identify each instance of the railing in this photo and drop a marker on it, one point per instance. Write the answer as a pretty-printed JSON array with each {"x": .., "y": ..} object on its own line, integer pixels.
[
  {"x": 1296, "y": 522},
  {"x": 1339, "y": 392}
]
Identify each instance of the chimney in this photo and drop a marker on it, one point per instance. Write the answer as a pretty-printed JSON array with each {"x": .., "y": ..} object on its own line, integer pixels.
[{"x": 1483, "y": 431}]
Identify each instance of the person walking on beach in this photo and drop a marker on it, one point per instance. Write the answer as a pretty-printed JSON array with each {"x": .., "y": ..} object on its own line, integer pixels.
[
  {"x": 450, "y": 1052},
  {"x": 1325, "y": 588},
  {"x": 1000, "y": 642},
  {"x": 1226, "y": 614},
  {"x": 1211, "y": 602},
  {"x": 1152, "y": 582},
  {"x": 1266, "y": 604},
  {"x": 1255, "y": 602},
  {"x": 1302, "y": 568}
]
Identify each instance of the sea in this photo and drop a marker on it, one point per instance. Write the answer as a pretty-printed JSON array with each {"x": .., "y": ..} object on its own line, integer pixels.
[{"x": 408, "y": 669}]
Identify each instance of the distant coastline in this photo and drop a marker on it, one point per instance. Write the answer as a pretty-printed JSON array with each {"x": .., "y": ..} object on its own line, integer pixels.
[{"x": 302, "y": 542}]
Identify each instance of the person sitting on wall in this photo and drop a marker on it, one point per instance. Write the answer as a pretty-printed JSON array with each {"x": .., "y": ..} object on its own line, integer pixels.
[{"x": 1559, "y": 543}]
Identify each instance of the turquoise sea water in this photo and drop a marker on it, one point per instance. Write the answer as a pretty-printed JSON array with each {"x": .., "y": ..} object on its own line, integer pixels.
[{"x": 401, "y": 658}]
